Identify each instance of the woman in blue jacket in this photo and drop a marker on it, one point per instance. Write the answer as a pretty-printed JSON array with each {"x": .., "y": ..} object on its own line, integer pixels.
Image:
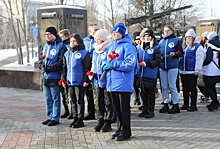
[
  {"x": 120, "y": 79},
  {"x": 100, "y": 55},
  {"x": 190, "y": 67},
  {"x": 76, "y": 64},
  {"x": 149, "y": 61},
  {"x": 171, "y": 50}
]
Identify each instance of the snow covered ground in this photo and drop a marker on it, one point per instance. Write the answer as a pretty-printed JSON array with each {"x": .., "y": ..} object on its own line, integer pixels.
[{"x": 6, "y": 53}]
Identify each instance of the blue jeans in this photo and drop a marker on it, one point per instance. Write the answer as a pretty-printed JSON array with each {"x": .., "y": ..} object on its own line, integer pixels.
[
  {"x": 168, "y": 81},
  {"x": 52, "y": 95}
]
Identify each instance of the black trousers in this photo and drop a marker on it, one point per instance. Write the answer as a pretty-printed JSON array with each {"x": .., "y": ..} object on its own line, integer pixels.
[
  {"x": 105, "y": 111},
  {"x": 211, "y": 90},
  {"x": 121, "y": 105},
  {"x": 189, "y": 83},
  {"x": 136, "y": 90},
  {"x": 76, "y": 94},
  {"x": 148, "y": 97},
  {"x": 90, "y": 100}
]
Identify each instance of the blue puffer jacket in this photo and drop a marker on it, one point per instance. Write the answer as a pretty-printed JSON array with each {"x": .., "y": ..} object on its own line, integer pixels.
[
  {"x": 120, "y": 77},
  {"x": 167, "y": 45},
  {"x": 99, "y": 59},
  {"x": 89, "y": 45},
  {"x": 53, "y": 63}
]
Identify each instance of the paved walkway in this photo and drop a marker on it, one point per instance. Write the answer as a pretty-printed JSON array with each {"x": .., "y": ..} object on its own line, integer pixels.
[{"x": 22, "y": 111}]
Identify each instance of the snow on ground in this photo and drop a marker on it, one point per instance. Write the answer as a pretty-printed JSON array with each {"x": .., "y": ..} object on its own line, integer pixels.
[{"x": 6, "y": 53}]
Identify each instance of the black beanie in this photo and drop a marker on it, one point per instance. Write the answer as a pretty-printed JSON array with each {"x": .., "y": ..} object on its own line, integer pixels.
[
  {"x": 52, "y": 30},
  {"x": 149, "y": 32},
  {"x": 136, "y": 35}
]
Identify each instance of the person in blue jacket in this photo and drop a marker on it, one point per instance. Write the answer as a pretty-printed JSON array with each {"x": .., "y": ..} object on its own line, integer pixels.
[
  {"x": 149, "y": 61},
  {"x": 76, "y": 64},
  {"x": 171, "y": 50},
  {"x": 100, "y": 55},
  {"x": 120, "y": 79},
  {"x": 89, "y": 46},
  {"x": 65, "y": 36},
  {"x": 190, "y": 67},
  {"x": 50, "y": 64}
]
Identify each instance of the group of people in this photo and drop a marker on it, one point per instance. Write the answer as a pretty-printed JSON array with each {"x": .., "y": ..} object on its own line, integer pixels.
[{"x": 113, "y": 68}]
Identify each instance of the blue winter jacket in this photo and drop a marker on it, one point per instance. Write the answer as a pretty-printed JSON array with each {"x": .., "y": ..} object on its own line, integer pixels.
[
  {"x": 120, "y": 77},
  {"x": 99, "y": 60},
  {"x": 89, "y": 45}
]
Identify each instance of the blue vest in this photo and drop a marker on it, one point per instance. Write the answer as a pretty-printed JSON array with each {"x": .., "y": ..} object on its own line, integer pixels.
[
  {"x": 167, "y": 46},
  {"x": 75, "y": 69},
  {"x": 148, "y": 55},
  {"x": 188, "y": 60}
]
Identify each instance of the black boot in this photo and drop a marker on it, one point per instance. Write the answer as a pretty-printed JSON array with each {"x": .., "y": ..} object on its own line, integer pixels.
[
  {"x": 70, "y": 116},
  {"x": 74, "y": 121},
  {"x": 107, "y": 126},
  {"x": 65, "y": 114},
  {"x": 98, "y": 127},
  {"x": 149, "y": 114},
  {"x": 175, "y": 109},
  {"x": 165, "y": 108},
  {"x": 214, "y": 105},
  {"x": 79, "y": 123}
]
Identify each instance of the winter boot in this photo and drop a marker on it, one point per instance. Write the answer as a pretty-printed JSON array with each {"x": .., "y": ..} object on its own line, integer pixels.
[
  {"x": 175, "y": 109},
  {"x": 74, "y": 121},
  {"x": 65, "y": 114},
  {"x": 107, "y": 126},
  {"x": 214, "y": 105},
  {"x": 98, "y": 127},
  {"x": 79, "y": 123},
  {"x": 165, "y": 108},
  {"x": 150, "y": 114}
]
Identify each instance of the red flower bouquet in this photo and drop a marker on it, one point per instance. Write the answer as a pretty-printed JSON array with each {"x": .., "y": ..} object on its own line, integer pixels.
[{"x": 111, "y": 57}]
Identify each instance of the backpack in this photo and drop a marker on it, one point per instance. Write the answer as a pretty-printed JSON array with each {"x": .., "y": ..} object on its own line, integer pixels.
[{"x": 217, "y": 57}]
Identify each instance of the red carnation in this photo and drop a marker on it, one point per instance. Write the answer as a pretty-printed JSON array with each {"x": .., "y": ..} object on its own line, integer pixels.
[
  {"x": 139, "y": 61},
  {"x": 42, "y": 57},
  {"x": 89, "y": 73},
  {"x": 178, "y": 52},
  {"x": 62, "y": 81},
  {"x": 113, "y": 52}
]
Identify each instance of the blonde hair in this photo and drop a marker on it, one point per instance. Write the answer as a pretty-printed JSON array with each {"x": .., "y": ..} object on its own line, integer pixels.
[{"x": 65, "y": 32}]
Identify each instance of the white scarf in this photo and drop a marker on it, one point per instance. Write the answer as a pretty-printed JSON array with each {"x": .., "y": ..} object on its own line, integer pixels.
[{"x": 102, "y": 47}]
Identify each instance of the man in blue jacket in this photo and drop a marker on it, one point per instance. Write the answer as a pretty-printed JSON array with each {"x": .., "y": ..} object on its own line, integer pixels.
[{"x": 50, "y": 64}]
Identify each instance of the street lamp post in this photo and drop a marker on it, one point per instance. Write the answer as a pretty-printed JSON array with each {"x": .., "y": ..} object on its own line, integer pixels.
[{"x": 19, "y": 41}]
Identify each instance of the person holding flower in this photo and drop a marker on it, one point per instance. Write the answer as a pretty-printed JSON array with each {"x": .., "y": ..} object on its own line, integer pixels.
[
  {"x": 120, "y": 79},
  {"x": 171, "y": 50},
  {"x": 149, "y": 61},
  {"x": 76, "y": 64},
  {"x": 105, "y": 109},
  {"x": 50, "y": 64},
  {"x": 190, "y": 67}
]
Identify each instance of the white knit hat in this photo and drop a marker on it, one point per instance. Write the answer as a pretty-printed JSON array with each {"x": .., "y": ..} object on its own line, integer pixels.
[
  {"x": 205, "y": 34},
  {"x": 211, "y": 35},
  {"x": 191, "y": 33},
  {"x": 101, "y": 34}
]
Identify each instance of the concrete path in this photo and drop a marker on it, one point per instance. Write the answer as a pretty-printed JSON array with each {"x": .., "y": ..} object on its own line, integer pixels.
[{"x": 22, "y": 111}]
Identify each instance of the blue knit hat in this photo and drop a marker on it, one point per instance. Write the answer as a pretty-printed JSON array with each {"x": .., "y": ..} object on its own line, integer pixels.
[{"x": 120, "y": 27}]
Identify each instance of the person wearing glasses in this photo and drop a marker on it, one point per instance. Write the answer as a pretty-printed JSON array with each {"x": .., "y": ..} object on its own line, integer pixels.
[
  {"x": 50, "y": 64},
  {"x": 171, "y": 50}
]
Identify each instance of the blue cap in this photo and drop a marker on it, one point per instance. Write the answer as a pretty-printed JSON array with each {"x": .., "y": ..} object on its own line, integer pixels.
[{"x": 120, "y": 27}]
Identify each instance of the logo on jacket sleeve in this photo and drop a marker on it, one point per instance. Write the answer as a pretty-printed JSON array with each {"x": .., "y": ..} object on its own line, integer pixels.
[
  {"x": 171, "y": 45},
  {"x": 53, "y": 52},
  {"x": 78, "y": 55}
]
